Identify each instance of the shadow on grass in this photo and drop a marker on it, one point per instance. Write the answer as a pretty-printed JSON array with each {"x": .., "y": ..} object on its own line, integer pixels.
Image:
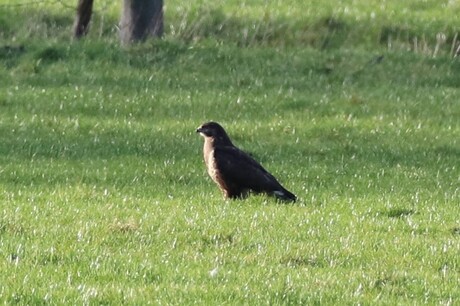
[
  {"x": 398, "y": 212},
  {"x": 145, "y": 155},
  {"x": 325, "y": 30}
]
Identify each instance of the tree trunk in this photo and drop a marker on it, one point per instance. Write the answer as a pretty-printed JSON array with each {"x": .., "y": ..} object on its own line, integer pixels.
[
  {"x": 84, "y": 12},
  {"x": 141, "y": 19}
]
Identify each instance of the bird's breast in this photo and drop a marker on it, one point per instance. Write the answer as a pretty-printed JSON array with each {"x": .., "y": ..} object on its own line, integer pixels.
[{"x": 211, "y": 165}]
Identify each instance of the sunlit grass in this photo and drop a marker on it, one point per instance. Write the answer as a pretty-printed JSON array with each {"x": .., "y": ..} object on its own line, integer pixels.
[{"x": 105, "y": 198}]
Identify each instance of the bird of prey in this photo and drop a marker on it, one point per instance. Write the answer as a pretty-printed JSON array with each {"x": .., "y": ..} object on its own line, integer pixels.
[{"x": 234, "y": 171}]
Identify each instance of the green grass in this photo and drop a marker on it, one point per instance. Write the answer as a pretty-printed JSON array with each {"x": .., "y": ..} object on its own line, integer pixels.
[{"x": 105, "y": 198}]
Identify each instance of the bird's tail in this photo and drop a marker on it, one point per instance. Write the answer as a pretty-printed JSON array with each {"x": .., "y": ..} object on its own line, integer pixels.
[{"x": 285, "y": 195}]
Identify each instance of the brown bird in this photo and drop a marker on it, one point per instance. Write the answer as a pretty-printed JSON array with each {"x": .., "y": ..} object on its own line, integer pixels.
[{"x": 234, "y": 171}]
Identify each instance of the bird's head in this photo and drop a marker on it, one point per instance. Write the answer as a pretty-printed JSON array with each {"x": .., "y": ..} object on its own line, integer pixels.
[{"x": 215, "y": 132}]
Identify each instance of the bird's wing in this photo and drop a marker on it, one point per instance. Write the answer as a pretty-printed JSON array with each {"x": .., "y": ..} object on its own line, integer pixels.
[{"x": 240, "y": 168}]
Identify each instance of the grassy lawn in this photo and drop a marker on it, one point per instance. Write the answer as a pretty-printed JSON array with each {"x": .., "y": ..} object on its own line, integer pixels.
[{"x": 354, "y": 107}]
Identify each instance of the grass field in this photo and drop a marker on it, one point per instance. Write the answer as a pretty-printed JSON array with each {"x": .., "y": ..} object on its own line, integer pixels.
[{"x": 353, "y": 106}]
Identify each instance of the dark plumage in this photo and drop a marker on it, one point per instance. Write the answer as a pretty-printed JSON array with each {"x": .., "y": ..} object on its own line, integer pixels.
[{"x": 233, "y": 170}]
